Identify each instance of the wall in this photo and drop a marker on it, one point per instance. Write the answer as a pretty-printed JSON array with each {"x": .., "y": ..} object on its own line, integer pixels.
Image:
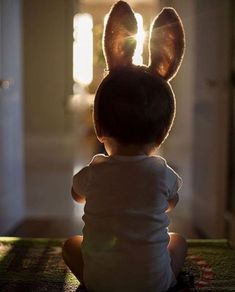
[
  {"x": 212, "y": 90},
  {"x": 198, "y": 144},
  {"x": 47, "y": 84},
  {"x": 47, "y": 63}
]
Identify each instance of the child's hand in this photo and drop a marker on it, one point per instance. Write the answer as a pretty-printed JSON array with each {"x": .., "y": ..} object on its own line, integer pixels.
[
  {"x": 172, "y": 202},
  {"x": 78, "y": 198}
]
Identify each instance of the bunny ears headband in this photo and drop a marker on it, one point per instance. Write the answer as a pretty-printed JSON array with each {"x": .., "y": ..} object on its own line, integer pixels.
[{"x": 166, "y": 44}]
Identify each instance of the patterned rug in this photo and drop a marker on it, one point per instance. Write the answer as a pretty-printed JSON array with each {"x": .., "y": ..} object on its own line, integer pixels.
[{"x": 36, "y": 265}]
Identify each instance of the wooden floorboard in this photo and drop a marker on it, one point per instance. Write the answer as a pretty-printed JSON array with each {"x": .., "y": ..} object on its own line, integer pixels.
[{"x": 50, "y": 227}]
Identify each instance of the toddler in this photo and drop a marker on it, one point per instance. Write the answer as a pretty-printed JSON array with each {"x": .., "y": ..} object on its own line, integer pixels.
[{"x": 125, "y": 244}]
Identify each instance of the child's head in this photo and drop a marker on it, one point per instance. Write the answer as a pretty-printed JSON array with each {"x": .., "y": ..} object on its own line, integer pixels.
[
  {"x": 134, "y": 107},
  {"x": 135, "y": 104}
]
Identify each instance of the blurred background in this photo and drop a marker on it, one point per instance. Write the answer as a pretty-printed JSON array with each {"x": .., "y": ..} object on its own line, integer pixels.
[{"x": 51, "y": 63}]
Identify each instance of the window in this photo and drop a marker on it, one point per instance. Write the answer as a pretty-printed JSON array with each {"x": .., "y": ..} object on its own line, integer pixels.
[{"x": 83, "y": 47}]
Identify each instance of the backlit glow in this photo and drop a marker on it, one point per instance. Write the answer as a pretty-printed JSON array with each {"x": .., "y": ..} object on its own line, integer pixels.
[
  {"x": 83, "y": 49},
  {"x": 140, "y": 36}
]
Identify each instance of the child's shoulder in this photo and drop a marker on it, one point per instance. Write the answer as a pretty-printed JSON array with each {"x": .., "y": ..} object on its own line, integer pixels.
[
  {"x": 99, "y": 158},
  {"x": 170, "y": 174},
  {"x": 154, "y": 161},
  {"x": 161, "y": 164},
  {"x": 158, "y": 161}
]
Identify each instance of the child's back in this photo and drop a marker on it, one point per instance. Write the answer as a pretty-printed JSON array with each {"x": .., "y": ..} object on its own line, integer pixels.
[
  {"x": 125, "y": 235},
  {"x": 125, "y": 244}
]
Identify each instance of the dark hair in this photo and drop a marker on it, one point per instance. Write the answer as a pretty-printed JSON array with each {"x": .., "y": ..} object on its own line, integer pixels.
[{"x": 134, "y": 107}]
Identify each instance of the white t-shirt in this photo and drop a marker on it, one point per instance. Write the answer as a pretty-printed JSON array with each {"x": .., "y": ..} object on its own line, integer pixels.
[{"x": 125, "y": 233}]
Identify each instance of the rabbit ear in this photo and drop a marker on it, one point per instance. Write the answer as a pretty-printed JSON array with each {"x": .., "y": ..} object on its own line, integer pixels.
[
  {"x": 166, "y": 44},
  {"x": 119, "y": 36}
]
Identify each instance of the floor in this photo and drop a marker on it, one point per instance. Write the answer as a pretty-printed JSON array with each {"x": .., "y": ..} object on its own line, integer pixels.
[{"x": 48, "y": 227}]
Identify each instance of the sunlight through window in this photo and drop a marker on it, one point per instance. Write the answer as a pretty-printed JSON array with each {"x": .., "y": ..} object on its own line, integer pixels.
[
  {"x": 140, "y": 36},
  {"x": 83, "y": 49}
]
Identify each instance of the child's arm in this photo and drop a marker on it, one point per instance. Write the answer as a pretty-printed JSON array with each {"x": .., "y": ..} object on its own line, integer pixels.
[
  {"x": 172, "y": 202},
  {"x": 77, "y": 197},
  {"x": 79, "y": 185},
  {"x": 174, "y": 183}
]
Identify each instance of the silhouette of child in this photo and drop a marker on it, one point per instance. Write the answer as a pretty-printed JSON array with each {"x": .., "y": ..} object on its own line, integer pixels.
[{"x": 125, "y": 244}]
